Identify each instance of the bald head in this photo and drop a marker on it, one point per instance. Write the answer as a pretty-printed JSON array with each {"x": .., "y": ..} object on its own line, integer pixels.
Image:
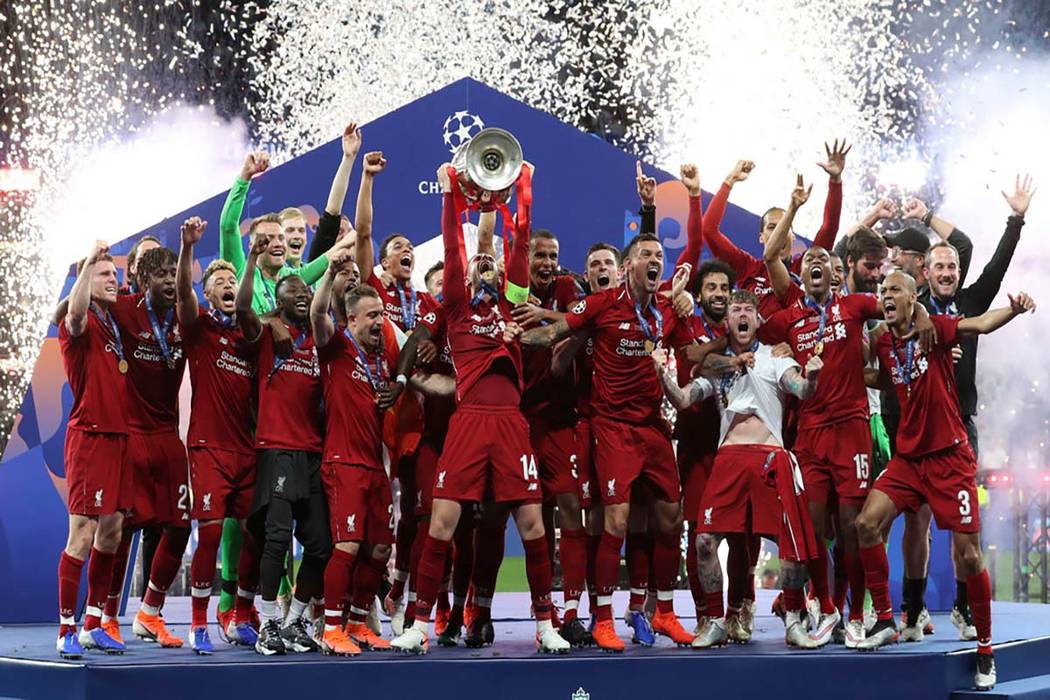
[{"x": 903, "y": 279}]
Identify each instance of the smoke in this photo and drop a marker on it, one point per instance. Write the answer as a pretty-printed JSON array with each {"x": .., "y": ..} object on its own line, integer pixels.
[
  {"x": 182, "y": 156},
  {"x": 998, "y": 129}
]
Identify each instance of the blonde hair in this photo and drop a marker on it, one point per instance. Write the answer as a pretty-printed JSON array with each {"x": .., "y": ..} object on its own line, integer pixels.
[
  {"x": 216, "y": 266},
  {"x": 290, "y": 213},
  {"x": 264, "y": 219}
]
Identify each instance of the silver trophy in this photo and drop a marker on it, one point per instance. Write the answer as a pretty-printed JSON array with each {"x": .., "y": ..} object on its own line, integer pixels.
[{"x": 489, "y": 162}]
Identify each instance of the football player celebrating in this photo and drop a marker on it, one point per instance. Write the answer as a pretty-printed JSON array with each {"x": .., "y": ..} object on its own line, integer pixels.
[
  {"x": 487, "y": 427},
  {"x": 96, "y": 439},
  {"x": 933, "y": 463}
]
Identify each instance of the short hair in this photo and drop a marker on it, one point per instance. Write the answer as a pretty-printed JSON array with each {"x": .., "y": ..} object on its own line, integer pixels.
[
  {"x": 283, "y": 281},
  {"x": 134, "y": 252},
  {"x": 105, "y": 257},
  {"x": 153, "y": 260},
  {"x": 541, "y": 234},
  {"x": 633, "y": 243},
  {"x": 605, "y": 246},
  {"x": 270, "y": 218},
  {"x": 909, "y": 281},
  {"x": 865, "y": 242},
  {"x": 714, "y": 266},
  {"x": 387, "y": 241},
  {"x": 762, "y": 221},
  {"x": 942, "y": 244},
  {"x": 355, "y": 294},
  {"x": 215, "y": 266},
  {"x": 290, "y": 213},
  {"x": 434, "y": 269},
  {"x": 742, "y": 296}
]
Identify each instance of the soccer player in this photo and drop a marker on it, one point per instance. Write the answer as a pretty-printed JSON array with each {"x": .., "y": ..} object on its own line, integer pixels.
[
  {"x": 751, "y": 273},
  {"x": 740, "y": 499},
  {"x": 333, "y": 225},
  {"x": 834, "y": 438},
  {"x": 220, "y": 439},
  {"x": 143, "y": 244},
  {"x": 356, "y": 374},
  {"x": 631, "y": 439},
  {"x": 156, "y": 469},
  {"x": 488, "y": 441},
  {"x": 934, "y": 462},
  {"x": 293, "y": 224},
  {"x": 96, "y": 439},
  {"x": 549, "y": 405},
  {"x": 288, "y": 442}
]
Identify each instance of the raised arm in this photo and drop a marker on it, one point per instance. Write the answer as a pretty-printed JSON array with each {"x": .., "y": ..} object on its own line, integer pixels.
[
  {"x": 778, "y": 240},
  {"x": 690, "y": 255},
  {"x": 993, "y": 320},
  {"x": 247, "y": 319},
  {"x": 517, "y": 291},
  {"x": 230, "y": 247},
  {"x": 454, "y": 288},
  {"x": 320, "y": 320},
  {"x": 486, "y": 232},
  {"x": 719, "y": 244},
  {"x": 185, "y": 298},
  {"x": 915, "y": 209},
  {"x": 76, "y": 319},
  {"x": 647, "y": 195},
  {"x": 833, "y": 166},
  {"x": 802, "y": 385},
  {"x": 373, "y": 164},
  {"x": 328, "y": 227},
  {"x": 982, "y": 292}
]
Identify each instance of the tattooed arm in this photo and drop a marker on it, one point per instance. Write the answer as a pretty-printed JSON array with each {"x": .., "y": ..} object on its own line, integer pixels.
[
  {"x": 802, "y": 385},
  {"x": 545, "y": 336}
]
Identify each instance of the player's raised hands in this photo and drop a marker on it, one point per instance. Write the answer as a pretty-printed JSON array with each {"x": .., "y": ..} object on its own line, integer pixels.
[
  {"x": 99, "y": 249},
  {"x": 914, "y": 209},
  {"x": 374, "y": 163},
  {"x": 259, "y": 245},
  {"x": 689, "y": 174},
  {"x": 192, "y": 229},
  {"x": 800, "y": 195},
  {"x": 1021, "y": 304},
  {"x": 255, "y": 163},
  {"x": 836, "y": 161},
  {"x": 740, "y": 171},
  {"x": 680, "y": 279},
  {"x": 813, "y": 366},
  {"x": 351, "y": 140},
  {"x": 443, "y": 177},
  {"x": 684, "y": 305},
  {"x": 1022, "y": 195},
  {"x": 646, "y": 185}
]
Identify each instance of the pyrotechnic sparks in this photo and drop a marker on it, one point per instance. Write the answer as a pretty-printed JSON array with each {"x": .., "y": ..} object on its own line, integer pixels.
[{"x": 673, "y": 81}]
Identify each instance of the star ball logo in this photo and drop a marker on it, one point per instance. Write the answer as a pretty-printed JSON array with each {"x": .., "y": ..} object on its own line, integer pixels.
[{"x": 460, "y": 128}]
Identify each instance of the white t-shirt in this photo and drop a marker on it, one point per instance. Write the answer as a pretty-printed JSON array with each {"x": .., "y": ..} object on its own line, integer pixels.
[{"x": 756, "y": 392}]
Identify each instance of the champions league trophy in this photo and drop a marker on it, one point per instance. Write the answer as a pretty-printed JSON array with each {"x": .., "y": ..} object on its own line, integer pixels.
[{"x": 490, "y": 162}]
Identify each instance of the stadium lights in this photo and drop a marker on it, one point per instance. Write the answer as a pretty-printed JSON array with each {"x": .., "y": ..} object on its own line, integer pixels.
[{"x": 19, "y": 179}]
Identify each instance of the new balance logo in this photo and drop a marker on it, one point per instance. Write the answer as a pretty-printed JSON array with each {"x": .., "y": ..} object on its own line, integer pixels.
[
  {"x": 441, "y": 481},
  {"x": 98, "y": 498},
  {"x": 611, "y": 487},
  {"x": 222, "y": 339},
  {"x": 350, "y": 524},
  {"x": 206, "y": 502},
  {"x": 707, "y": 516},
  {"x": 625, "y": 326}
]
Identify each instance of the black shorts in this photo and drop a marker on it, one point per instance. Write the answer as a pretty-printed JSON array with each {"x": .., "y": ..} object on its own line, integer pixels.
[
  {"x": 287, "y": 474},
  {"x": 971, "y": 435}
]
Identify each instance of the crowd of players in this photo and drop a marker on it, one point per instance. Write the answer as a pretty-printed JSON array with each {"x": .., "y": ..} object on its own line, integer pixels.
[{"x": 511, "y": 386}]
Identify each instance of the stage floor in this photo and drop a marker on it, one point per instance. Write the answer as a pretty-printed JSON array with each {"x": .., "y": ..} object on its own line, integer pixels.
[{"x": 29, "y": 666}]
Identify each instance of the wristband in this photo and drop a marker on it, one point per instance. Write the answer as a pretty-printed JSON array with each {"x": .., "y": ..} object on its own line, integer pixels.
[
  {"x": 402, "y": 379},
  {"x": 928, "y": 218}
]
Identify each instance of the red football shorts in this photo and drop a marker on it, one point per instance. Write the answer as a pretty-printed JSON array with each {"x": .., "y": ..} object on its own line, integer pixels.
[
  {"x": 946, "y": 479},
  {"x": 94, "y": 469},
  {"x": 694, "y": 470},
  {"x": 624, "y": 452},
  {"x": 555, "y": 450},
  {"x": 484, "y": 436},
  {"x": 737, "y": 498},
  {"x": 426, "y": 466},
  {"x": 836, "y": 457},
  {"x": 222, "y": 483},
  {"x": 583, "y": 463},
  {"x": 360, "y": 503},
  {"x": 159, "y": 476}
]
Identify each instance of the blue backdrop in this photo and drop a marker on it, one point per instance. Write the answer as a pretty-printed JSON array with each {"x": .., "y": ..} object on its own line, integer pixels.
[{"x": 584, "y": 191}]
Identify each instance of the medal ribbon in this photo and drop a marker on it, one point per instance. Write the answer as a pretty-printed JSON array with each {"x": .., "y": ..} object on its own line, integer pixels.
[
  {"x": 109, "y": 322},
  {"x": 297, "y": 344},
  {"x": 408, "y": 306},
  {"x": 486, "y": 288},
  {"x": 946, "y": 310},
  {"x": 376, "y": 383},
  {"x": 644, "y": 323},
  {"x": 909, "y": 357},
  {"x": 727, "y": 381},
  {"x": 160, "y": 331},
  {"x": 823, "y": 311},
  {"x": 223, "y": 319}
]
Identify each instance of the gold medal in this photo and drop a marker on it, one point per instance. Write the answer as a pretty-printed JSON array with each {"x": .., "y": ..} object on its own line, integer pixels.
[
  {"x": 122, "y": 366},
  {"x": 818, "y": 348},
  {"x": 650, "y": 346}
]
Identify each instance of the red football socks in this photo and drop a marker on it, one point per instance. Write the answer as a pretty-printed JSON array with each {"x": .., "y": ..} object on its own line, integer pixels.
[
  {"x": 636, "y": 556},
  {"x": 367, "y": 577},
  {"x": 667, "y": 554},
  {"x": 538, "y": 572},
  {"x": 574, "y": 568},
  {"x": 116, "y": 581},
  {"x": 979, "y": 591},
  {"x": 337, "y": 575},
  {"x": 607, "y": 573},
  {"x": 855, "y": 572},
  {"x": 69, "y": 569},
  {"x": 100, "y": 572},
  {"x": 876, "y": 576},
  {"x": 431, "y": 571},
  {"x": 202, "y": 570},
  {"x": 818, "y": 574}
]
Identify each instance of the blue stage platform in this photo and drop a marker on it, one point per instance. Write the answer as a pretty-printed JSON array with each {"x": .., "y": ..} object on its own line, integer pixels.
[{"x": 511, "y": 669}]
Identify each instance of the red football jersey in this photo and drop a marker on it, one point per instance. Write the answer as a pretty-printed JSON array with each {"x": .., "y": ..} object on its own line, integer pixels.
[
  {"x": 841, "y": 393},
  {"x": 544, "y": 393},
  {"x": 153, "y": 387},
  {"x": 290, "y": 397},
  {"x": 625, "y": 386},
  {"x": 700, "y": 424},
  {"x": 222, "y": 374},
  {"x": 354, "y": 424},
  {"x": 437, "y": 410},
  {"x": 99, "y": 389},
  {"x": 930, "y": 418},
  {"x": 397, "y": 303},
  {"x": 585, "y": 378}
]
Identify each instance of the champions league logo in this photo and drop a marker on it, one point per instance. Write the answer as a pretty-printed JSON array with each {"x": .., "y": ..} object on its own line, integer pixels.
[{"x": 460, "y": 128}]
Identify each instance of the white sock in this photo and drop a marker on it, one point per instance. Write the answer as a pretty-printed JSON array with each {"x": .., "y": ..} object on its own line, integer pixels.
[
  {"x": 296, "y": 611},
  {"x": 267, "y": 610}
]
